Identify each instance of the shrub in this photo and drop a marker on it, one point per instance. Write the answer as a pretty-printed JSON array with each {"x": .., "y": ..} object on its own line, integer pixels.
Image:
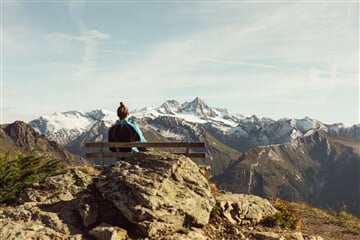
[
  {"x": 22, "y": 170},
  {"x": 286, "y": 217}
]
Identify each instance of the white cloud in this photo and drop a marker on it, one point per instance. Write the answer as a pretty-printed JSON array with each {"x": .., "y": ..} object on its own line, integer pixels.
[{"x": 88, "y": 35}]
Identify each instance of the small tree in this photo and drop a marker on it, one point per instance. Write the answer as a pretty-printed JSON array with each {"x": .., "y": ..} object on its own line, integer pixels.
[{"x": 22, "y": 170}]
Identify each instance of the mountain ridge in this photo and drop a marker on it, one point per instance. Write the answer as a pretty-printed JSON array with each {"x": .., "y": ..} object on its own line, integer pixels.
[
  {"x": 235, "y": 144},
  {"x": 68, "y": 125},
  {"x": 19, "y": 136}
]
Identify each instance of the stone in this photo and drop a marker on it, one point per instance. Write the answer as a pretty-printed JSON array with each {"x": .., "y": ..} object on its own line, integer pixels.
[
  {"x": 243, "y": 209},
  {"x": 88, "y": 209},
  {"x": 158, "y": 192},
  {"x": 108, "y": 232}
]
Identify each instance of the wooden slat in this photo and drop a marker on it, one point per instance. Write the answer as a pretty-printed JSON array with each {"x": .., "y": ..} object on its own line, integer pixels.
[
  {"x": 107, "y": 154},
  {"x": 126, "y": 154},
  {"x": 101, "y": 146},
  {"x": 144, "y": 144},
  {"x": 197, "y": 155}
]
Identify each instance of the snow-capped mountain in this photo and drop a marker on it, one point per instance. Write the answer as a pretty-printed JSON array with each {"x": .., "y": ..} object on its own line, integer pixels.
[
  {"x": 68, "y": 126},
  {"x": 171, "y": 117},
  {"x": 196, "y": 111}
]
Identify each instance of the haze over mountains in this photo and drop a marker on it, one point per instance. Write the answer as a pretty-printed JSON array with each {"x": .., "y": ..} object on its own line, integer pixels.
[{"x": 295, "y": 159}]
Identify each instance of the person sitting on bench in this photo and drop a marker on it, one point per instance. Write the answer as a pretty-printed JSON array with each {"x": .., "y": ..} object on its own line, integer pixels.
[{"x": 125, "y": 131}]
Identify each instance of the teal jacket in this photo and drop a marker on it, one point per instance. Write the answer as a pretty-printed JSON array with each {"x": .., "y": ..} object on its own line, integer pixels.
[{"x": 125, "y": 131}]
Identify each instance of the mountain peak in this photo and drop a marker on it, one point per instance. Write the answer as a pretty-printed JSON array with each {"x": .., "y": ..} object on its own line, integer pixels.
[
  {"x": 199, "y": 100},
  {"x": 199, "y": 107},
  {"x": 170, "y": 107},
  {"x": 100, "y": 114}
]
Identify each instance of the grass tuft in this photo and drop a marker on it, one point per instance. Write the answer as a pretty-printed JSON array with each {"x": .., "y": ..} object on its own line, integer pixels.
[{"x": 88, "y": 170}]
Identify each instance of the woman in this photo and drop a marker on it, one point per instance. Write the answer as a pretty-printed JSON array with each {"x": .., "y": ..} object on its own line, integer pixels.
[{"x": 125, "y": 131}]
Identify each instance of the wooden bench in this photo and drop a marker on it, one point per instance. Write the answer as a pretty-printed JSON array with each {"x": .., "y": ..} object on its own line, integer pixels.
[{"x": 103, "y": 149}]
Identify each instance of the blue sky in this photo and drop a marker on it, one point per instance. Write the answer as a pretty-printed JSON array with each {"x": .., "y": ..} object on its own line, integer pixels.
[{"x": 269, "y": 58}]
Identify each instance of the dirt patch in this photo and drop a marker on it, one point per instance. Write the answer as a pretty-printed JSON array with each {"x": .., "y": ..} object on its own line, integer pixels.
[{"x": 330, "y": 231}]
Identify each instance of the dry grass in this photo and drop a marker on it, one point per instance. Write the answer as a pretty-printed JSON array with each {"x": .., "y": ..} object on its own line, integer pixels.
[
  {"x": 329, "y": 224},
  {"x": 342, "y": 218},
  {"x": 88, "y": 170}
]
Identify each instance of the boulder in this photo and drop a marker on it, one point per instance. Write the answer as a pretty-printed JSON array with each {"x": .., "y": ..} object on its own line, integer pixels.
[
  {"x": 244, "y": 209},
  {"x": 159, "y": 192}
]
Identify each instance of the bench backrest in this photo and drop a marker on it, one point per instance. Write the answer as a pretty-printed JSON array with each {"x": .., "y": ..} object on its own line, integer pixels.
[{"x": 103, "y": 147}]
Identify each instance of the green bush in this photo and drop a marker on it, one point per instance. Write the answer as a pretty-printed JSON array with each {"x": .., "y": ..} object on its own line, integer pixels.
[
  {"x": 22, "y": 170},
  {"x": 286, "y": 217}
]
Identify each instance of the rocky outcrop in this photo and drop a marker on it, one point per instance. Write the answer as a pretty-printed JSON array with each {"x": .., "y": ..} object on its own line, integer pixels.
[
  {"x": 147, "y": 196},
  {"x": 158, "y": 192}
]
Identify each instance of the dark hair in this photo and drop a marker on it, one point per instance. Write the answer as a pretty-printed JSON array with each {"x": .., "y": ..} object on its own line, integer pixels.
[{"x": 122, "y": 111}]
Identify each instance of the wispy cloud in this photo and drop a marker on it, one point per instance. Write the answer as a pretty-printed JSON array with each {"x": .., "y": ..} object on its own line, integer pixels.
[
  {"x": 275, "y": 42},
  {"x": 228, "y": 52},
  {"x": 88, "y": 37}
]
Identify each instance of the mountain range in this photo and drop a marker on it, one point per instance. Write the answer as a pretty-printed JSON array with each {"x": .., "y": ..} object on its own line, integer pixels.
[{"x": 296, "y": 159}]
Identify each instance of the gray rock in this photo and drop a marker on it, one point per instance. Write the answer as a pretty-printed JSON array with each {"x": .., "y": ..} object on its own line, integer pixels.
[
  {"x": 159, "y": 192},
  {"x": 243, "y": 209}
]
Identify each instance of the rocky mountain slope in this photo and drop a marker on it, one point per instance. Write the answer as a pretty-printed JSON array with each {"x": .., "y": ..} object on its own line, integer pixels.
[
  {"x": 21, "y": 137},
  {"x": 147, "y": 196},
  {"x": 319, "y": 169}
]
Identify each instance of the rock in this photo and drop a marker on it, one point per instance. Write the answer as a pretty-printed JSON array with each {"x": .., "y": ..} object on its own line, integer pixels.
[
  {"x": 107, "y": 232},
  {"x": 191, "y": 235},
  {"x": 307, "y": 237},
  {"x": 243, "y": 209},
  {"x": 88, "y": 210},
  {"x": 32, "y": 231},
  {"x": 267, "y": 236},
  {"x": 46, "y": 210},
  {"x": 278, "y": 236},
  {"x": 159, "y": 192}
]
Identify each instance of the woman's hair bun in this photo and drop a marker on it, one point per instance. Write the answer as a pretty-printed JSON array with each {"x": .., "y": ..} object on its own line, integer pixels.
[{"x": 122, "y": 104}]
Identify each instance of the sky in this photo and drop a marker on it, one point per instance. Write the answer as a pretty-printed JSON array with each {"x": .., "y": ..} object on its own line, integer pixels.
[{"x": 275, "y": 59}]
